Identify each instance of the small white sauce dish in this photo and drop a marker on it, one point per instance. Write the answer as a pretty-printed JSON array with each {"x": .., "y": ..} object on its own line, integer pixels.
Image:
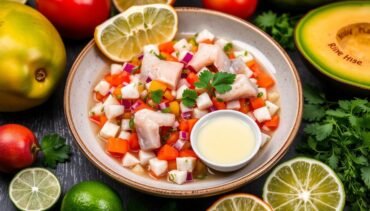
[{"x": 222, "y": 167}]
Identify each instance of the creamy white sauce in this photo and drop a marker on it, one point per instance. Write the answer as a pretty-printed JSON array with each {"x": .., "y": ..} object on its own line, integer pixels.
[{"x": 226, "y": 140}]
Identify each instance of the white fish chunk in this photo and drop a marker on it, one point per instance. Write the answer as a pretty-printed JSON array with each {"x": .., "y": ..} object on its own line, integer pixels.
[
  {"x": 210, "y": 54},
  {"x": 241, "y": 88},
  {"x": 147, "y": 124}
]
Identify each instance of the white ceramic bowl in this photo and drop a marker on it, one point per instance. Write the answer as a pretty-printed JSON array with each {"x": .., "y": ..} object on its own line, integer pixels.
[
  {"x": 91, "y": 65},
  {"x": 225, "y": 113}
]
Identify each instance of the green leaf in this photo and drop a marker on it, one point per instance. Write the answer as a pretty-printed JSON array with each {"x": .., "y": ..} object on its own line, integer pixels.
[
  {"x": 313, "y": 96},
  {"x": 361, "y": 160},
  {"x": 266, "y": 20},
  {"x": 189, "y": 98},
  {"x": 320, "y": 132},
  {"x": 55, "y": 150},
  {"x": 365, "y": 175},
  {"x": 345, "y": 105},
  {"x": 228, "y": 47},
  {"x": 156, "y": 96},
  {"x": 337, "y": 113},
  {"x": 131, "y": 124},
  {"x": 333, "y": 161},
  {"x": 313, "y": 112},
  {"x": 222, "y": 82},
  {"x": 205, "y": 78}
]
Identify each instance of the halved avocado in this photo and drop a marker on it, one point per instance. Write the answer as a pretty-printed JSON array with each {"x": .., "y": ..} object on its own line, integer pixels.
[{"x": 335, "y": 39}]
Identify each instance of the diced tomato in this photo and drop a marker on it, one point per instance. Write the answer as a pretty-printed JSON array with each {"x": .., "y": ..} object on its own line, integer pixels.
[
  {"x": 187, "y": 153},
  {"x": 207, "y": 41},
  {"x": 265, "y": 80},
  {"x": 167, "y": 152},
  {"x": 174, "y": 136},
  {"x": 191, "y": 123},
  {"x": 134, "y": 142},
  {"x": 172, "y": 165},
  {"x": 257, "y": 102},
  {"x": 167, "y": 47},
  {"x": 231, "y": 55},
  {"x": 95, "y": 119},
  {"x": 192, "y": 78},
  {"x": 184, "y": 126},
  {"x": 118, "y": 79},
  {"x": 244, "y": 106},
  {"x": 219, "y": 105},
  {"x": 117, "y": 92},
  {"x": 273, "y": 123},
  {"x": 117, "y": 146},
  {"x": 256, "y": 68},
  {"x": 99, "y": 97}
]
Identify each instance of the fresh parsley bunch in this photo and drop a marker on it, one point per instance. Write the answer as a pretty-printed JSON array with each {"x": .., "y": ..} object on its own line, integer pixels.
[
  {"x": 280, "y": 27},
  {"x": 339, "y": 135}
]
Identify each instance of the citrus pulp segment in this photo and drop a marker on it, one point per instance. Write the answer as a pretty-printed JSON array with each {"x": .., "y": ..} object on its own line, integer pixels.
[
  {"x": 123, "y": 5},
  {"x": 236, "y": 202}
]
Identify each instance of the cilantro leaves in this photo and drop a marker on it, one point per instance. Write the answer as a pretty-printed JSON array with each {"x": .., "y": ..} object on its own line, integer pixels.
[
  {"x": 55, "y": 150},
  {"x": 339, "y": 135},
  {"x": 157, "y": 96},
  {"x": 189, "y": 97},
  {"x": 280, "y": 27},
  {"x": 221, "y": 81}
]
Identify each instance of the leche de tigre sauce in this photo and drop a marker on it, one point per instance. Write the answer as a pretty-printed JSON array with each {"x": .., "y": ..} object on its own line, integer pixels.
[{"x": 226, "y": 140}]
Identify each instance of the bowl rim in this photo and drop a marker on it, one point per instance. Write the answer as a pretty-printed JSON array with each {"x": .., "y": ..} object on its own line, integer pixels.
[
  {"x": 227, "y": 113},
  {"x": 206, "y": 191}
]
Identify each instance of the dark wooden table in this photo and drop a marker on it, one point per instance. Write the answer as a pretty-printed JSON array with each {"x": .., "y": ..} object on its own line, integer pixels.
[{"x": 49, "y": 118}]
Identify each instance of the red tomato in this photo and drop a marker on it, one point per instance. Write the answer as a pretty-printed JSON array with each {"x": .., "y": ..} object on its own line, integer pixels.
[
  {"x": 240, "y": 8},
  {"x": 75, "y": 19},
  {"x": 18, "y": 147}
]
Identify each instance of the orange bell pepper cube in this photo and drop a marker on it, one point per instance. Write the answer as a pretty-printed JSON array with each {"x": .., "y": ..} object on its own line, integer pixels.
[
  {"x": 219, "y": 105},
  {"x": 172, "y": 165},
  {"x": 167, "y": 47},
  {"x": 207, "y": 41},
  {"x": 244, "y": 106},
  {"x": 174, "y": 136},
  {"x": 117, "y": 146},
  {"x": 168, "y": 95},
  {"x": 191, "y": 123},
  {"x": 167, "y": 152},
  {"x": 251, "y": 63},
  {"x": 257, "y": 102},
  {"x": 231, "y": 55},
  {"x": 192, "y": 78},
  {"x": 169, "y": 57},
  {"x": 265, "y": 80},
  {"x": 157, "y": 85},
  {"x": 118, "y": 79},
  {"x": 133, "y": 142},
  {"x": 184, "y": 126},
  {"x": 256, "y": 69},
  {"x": 273, "y": 123},
  {"x": 99, "y": 97},
  {"x": 187, "y": 153}
]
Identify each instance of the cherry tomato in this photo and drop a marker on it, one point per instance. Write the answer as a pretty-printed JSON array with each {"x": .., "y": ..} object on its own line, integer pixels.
[
  {"x": 240, "y": 8},
  {"x": 75, "y": 19}
]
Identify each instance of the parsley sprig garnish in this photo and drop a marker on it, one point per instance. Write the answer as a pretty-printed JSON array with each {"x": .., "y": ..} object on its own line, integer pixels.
[
  {"x": 220, "y": 81},
  {"x": 189, "y": 97},
  {"x": 339, "y": 135},
  {"x": 156, "y": 96},
  {"x": 55, "y": 150}
]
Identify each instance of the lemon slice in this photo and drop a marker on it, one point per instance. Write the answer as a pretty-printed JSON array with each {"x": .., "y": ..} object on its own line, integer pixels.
[
  {"x": 304, "y": 184},
  {"x": 34, "y": 189},
  {"x": 123, "y": 37},
  {"x": 238, "y": 202},
  {"x": 123, "y": 5}
]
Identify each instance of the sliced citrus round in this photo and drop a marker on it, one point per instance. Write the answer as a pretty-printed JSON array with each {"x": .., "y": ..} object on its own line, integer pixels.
[
  {"x": 304, "y": 184},
  {"x": 123, "y": 5},
  {"x": 34, "y": 189},
  {"x": 123, "y": 36},
  {"x": 240, "y": 201}
]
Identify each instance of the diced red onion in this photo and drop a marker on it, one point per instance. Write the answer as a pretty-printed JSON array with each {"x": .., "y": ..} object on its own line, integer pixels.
[
  {"x": 186, "y": 115},
  {"x": 187, "y": 58},
  {"x": 135, "y": 105},
  {"x": 128, "y": 67},
  {"x": 179, "y": 144},
  {"x": 126, "y": 103},
  {"x": 212, "y": 109},
  {"x": 141, "y": 57},
  {"x": 164, "y": 105},
  {"x": 148, "y": 80},
  {"x": 184, "y": 75},
  {"x": 189, "y": 177},
  {"x": 191, "y": 68},
  {"x": 184, "y": 135}
]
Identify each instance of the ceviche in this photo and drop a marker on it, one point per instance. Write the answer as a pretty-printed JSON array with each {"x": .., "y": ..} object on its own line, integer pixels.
[{"x": 146, "y": 108}]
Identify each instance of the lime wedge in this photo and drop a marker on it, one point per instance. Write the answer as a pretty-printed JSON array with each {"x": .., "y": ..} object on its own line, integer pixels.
[
  {"x": 34, "y": 189},
  {"x": 123, "y": 5},
  {"x": 304, "y": 184},
  {"x": 238, "y": 202},
  {"x": 123, "y": 37}
]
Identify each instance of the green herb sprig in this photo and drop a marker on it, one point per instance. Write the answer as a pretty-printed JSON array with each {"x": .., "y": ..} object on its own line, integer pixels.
[
  {"x": 55, "y": 150},
  {"x": 339, "y": 135},
  {"x": 220, "y": 81},
  {"x": 189, "y": 98}
]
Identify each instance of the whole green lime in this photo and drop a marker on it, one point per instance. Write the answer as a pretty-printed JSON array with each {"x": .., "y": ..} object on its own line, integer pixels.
[{"x": 91, "y": 196}]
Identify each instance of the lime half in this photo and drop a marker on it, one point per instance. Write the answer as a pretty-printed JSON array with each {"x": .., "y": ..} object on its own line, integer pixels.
[
  {"x": 34, "y": 189},
  {"x": 239, "y": 202},
  {"x": 123, "y": 37},
  {"x": 304, "y": 184}
]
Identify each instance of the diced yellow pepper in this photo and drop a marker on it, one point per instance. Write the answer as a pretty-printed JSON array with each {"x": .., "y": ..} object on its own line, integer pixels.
[
  {"x": 157, "y": 85},
  {"x": 175, "y": 108},
  {"x": 167, "y": 94},
  {"x": 141, "y": 87}
]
